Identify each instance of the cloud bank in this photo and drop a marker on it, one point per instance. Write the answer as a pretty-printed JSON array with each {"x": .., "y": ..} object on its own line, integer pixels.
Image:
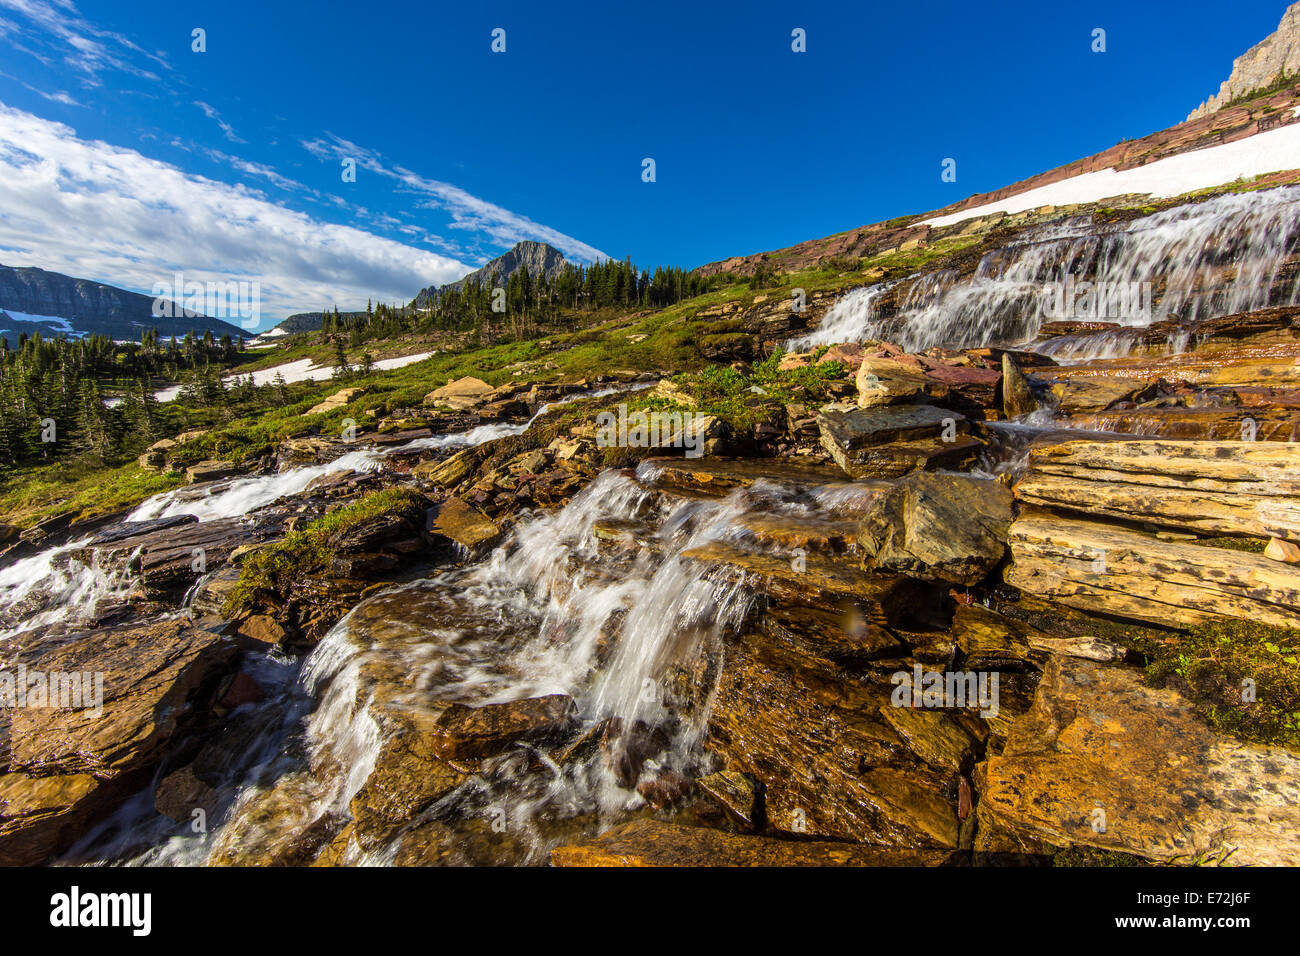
[{"x": 103, "y": 212}]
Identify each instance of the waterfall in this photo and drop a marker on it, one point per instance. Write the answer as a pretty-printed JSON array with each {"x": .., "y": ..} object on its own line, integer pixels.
[
  {"x": 50, "y": 588},
  {"x": 242, "y": 495},
  {"x": 1194, "y": 261},
  {"x": 551, "y": 611}
]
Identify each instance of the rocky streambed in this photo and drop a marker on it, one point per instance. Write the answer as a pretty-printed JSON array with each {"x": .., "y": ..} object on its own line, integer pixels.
[{"x": 925, "y": 623}]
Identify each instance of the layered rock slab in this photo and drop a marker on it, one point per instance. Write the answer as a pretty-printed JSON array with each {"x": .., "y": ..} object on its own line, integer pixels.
[
  {"x": 1233, "y": 487},
  {"x": 1116, "y": 571},
  {"x": 1103, "y": 761}
]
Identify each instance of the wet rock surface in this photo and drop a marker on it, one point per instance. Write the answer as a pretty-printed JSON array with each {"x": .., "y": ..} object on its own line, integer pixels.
[{"x": 114, "y": 702}]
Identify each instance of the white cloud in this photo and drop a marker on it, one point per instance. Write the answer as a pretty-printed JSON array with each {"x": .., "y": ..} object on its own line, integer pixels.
[
  {"x": 467, "y": 212},
  {"x": 211, "y": 113},
  {"x": 94, "y": 210},
  {"x": 60, "y": 29}
]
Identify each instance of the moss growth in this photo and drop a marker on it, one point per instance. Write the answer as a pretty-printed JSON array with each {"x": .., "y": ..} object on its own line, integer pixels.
[
  {"x": 1251, "y": 545},
  {"x": 1091, "y": 857},
  {"x": 308, "y": 550},
  {"x": 745, "y": 399},
  {"x": 1212, "y": 663},
  {"x": 78, "y": 488}
]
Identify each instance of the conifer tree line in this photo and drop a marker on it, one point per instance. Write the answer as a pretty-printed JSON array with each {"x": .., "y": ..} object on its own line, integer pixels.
[
  {"x": 529, "y": 301},
  {"x": 52, "y": 392}
]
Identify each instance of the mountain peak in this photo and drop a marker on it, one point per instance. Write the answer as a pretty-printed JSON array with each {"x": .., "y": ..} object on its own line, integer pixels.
[
  {"x": 1275, "y": 57},
  {"x": 540, "y": 258}
]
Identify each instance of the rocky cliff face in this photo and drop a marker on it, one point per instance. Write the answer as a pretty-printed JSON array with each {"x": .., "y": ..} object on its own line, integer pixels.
[
  {"x": 1277, "y": 54},
  {"x": 89, "y": 308},
  {"x": 538, "y": 257}
]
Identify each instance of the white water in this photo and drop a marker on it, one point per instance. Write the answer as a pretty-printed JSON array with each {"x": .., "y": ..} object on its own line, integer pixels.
[
  {"x": 243, "y": 495},
  {"x": 1005, "y": 300},
  {"x": 48, "y": 589},
  {"x": 548, "y": 612}
]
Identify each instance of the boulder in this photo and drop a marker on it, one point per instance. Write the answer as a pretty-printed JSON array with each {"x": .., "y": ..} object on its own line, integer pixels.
[
  {"x": 460, "y": 524},
  {"x": 883, "y": 381},
  {"x": 449, "y": 472},
  {"x": 1117, "y": 571},
  {"x": 340, "y": 398},
  {"x": 1280, "y": 550},
  {"x": 1095, "y": 394},
  {"x": 1018, "y": 396},
  {"x": 738, "y": 795},
  {"x": 889, "y": 441},
  {"x": 1233, "y": 488},
  {"x": 460, "y": 395},
  {"x": 156, "y": 456},
  {"x": 945, "y": 527},
  {"x": 210, "y": 470}
]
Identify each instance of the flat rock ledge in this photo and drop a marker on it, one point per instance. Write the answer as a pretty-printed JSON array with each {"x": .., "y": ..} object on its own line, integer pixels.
[{"x": 1101, "y": 760}]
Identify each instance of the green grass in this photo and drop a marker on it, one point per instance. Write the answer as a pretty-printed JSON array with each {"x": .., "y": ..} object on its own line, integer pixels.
[
  {"x": 308, "y": 550},
  {"x": 1209, "y": 663},
  {"x": 1250, "y": 545},
  {"x": 88, "y": 490}
]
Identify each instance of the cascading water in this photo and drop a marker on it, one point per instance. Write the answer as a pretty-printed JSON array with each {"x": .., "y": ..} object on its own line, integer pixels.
[
  {"x": 1199, "y": 260},
  {"x": 557, "y": 609},
  {"x": 51, "y": 588}
]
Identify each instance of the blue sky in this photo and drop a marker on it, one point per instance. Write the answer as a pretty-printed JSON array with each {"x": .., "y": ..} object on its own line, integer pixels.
[{"x": 125, "y": 156}]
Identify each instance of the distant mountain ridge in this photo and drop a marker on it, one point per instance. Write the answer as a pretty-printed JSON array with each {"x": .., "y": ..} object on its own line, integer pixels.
[
  {"x": 86, "y": 307},
  {"x": 309, "y": 321},
  {"x": 540, "y": 258}
]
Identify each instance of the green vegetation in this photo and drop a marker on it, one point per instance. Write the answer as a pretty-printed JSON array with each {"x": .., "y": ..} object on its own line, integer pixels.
[
  {"x": 744, "y": 399},
  {"x": 1250, "y": 545},
  {"x": 1091, "y": 856},
  {"x": 1279, "y": 82},
  {"x": 52, "y": 394},
  {"x": 1209, "y": 664},
  {"x": 309, "y": 549}
]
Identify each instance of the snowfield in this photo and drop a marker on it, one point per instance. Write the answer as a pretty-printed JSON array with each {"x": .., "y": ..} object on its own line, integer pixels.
[
  {"x": 300, "y": 371},
  {"x": 1270, "y": 152}
]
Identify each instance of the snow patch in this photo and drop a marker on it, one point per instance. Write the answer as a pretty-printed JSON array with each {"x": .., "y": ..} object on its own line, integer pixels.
[{"x": 1256, "y": 155}]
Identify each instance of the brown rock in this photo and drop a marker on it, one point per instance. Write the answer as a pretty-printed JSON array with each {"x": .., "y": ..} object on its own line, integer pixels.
[
  {"x": 1280, "y": 550},
  {"x": 947, "y": 527},
  {"x": 1104, "y": 761},
  {"x": 456, "y": 521},
  {"x": 652, "y": 843},
  {"x": 470, "y": 732}
]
